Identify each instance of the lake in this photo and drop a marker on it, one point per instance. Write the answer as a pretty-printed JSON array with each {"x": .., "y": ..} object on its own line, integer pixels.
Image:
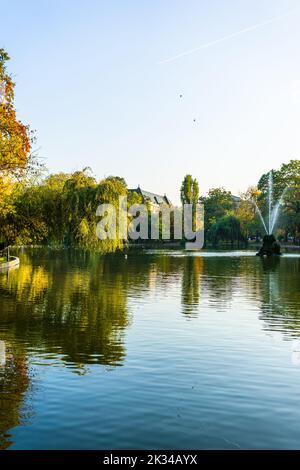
[{"x": 162, "y": 350}]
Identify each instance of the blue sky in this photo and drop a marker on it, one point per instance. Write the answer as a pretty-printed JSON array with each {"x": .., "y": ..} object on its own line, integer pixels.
[{"x": 91, "y": 79}]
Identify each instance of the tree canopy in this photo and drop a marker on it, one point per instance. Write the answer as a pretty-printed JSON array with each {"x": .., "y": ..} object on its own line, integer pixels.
[
  {"x": 286, "y": 185},
  {"x": 189, "y": 190},
  {"x": 15, "y": 137}
]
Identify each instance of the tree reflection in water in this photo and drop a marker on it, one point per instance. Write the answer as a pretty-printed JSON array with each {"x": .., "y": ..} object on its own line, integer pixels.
[
  {"x": 14, "y": 382},
  {"x": 75, "y": 306}
]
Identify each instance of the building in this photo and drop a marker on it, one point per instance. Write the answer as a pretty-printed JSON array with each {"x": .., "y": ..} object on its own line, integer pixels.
[
  {"x": 156, "y": 201},
  {"x": 236, "y": 201}
]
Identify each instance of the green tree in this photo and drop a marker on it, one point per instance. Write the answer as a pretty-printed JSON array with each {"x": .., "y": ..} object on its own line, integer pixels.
[
  {"x": 60, "y": 210},
  {"x": 217, "y": 204},
  {"x": 286, "y": 182},
  {"x": 227, "y": 229},
  {"x": 189, "y": 194},
  {"x": 246, "y": 213}
]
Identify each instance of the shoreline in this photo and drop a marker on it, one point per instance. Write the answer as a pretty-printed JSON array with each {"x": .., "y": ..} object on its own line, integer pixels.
[{"x": 158, "y": 246}]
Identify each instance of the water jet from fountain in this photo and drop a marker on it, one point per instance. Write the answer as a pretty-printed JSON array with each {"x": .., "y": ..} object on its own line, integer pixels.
[{"x": 270, "y": 245}]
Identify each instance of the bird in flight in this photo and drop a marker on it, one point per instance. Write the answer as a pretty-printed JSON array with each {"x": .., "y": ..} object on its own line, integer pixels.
[{"x": 181, "y": 96}]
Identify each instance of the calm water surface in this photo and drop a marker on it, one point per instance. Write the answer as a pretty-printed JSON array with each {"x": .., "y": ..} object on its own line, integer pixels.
[{"x": 159, "y": 350}]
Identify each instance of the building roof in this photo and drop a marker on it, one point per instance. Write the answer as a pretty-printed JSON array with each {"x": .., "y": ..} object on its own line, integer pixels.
[
  {"x": 151, "y": 197},
  {"x": 236, "y": 199}
]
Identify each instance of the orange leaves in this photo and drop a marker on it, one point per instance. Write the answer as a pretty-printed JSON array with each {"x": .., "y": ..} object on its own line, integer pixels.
[{"x": 15, "y": 137}]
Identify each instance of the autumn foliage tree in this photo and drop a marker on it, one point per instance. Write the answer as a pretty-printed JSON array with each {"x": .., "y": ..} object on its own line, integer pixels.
[{"x": 15, "y": 137}]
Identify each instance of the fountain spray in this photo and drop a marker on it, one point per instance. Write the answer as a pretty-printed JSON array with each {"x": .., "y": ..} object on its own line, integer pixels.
[
  {"x": 270, "y": 183},
  {"x": 270, "y": 245}
]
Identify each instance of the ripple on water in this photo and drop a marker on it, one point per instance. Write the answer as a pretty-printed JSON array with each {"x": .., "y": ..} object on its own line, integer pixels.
[{"x": 163, "y": 350}]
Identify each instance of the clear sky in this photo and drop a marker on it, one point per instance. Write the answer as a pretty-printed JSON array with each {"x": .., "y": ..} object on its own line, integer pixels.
[{"x": 93, "y": 78}]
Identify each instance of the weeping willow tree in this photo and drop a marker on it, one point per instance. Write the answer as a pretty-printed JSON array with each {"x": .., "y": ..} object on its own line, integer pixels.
[
  {"x": 82, "y": 195},
  {"x": 61, "y": 210},
  {"x": 227, "y": 229}
]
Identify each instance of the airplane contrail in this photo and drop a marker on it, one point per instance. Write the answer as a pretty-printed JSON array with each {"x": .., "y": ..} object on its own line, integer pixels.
[{"x": 229, "y": 36}]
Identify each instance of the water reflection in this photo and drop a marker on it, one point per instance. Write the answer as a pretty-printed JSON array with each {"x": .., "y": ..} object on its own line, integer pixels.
[
  {"x": 76, "y": 307},
  {"x": 14, "y": 383},
  {"x": 62, "y": 303},
  {"x": 192, "y": 272},
  {"x": 76, "y": 304},
  {"x": 280, "y": 296}
]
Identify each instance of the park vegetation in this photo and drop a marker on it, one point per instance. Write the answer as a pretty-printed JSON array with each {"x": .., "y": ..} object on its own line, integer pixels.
[
  {"x": 234, "y": 220},
  {"x": 60, "y": 209}
]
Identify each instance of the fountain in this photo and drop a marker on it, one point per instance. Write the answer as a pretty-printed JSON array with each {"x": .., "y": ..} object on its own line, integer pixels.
[{"x": 270, "y": 245}]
